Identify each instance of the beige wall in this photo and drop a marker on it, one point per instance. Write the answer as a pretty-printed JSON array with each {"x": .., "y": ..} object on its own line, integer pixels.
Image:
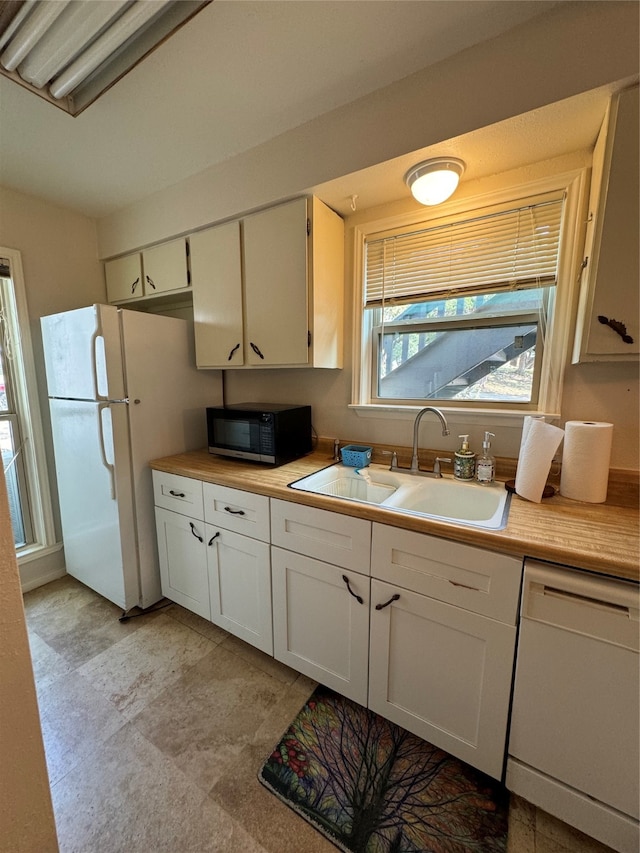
[
  {"x": 26, "y": 815},
  {"x": 602, "y": 392},
  {"x": 61, "y": 272},
  {"x": 554, "y": 56}
]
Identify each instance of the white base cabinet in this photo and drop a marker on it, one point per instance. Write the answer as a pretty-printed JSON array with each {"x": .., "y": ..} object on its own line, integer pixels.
[
  {"x": 321, "y": 622},
  {"x": 442, "y": 644},
  {"x": 209, "y": 567},
  {"x": 183, "y": 561},
  {"x": 442, "y": 673},
  {"x": 240, "y": 586},
  {"x": 420, "y": 629}
]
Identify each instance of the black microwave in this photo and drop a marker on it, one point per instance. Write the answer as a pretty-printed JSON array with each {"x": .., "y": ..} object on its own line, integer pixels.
[{"x": 273, "y": 433}]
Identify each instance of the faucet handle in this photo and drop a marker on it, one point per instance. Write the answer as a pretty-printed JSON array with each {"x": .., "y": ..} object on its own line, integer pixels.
[
  {"x": 394, "y": 459},
  {"x": 436, "y": 464}
]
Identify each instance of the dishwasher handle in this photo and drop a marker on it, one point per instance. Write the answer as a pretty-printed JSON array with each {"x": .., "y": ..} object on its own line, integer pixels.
[{"x": 605, "y": 609}]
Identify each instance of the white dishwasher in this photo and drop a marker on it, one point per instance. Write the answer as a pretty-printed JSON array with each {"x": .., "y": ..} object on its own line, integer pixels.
[{"x": 575, "y": 727}]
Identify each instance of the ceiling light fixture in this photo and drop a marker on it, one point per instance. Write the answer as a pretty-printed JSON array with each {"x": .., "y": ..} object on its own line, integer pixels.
[{"x": 433, "y": 181}]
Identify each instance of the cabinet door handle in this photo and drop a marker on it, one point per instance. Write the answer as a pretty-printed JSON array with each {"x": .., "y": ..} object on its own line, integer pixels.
[
  {"x": 135, "y": 284},
  {"x": 234, "y": 511},
  {"x": 195, "y": 532},
  {"x": 215, "y": 536},
  {"x": 387, "y": 603},
  {"x": 256, "y": 349},
  {"x": 230, "y": 356},
  {"x": 176, "y": 494},
  {"x": 358, "y": 598},
  {"x": 150, "y": 281}
]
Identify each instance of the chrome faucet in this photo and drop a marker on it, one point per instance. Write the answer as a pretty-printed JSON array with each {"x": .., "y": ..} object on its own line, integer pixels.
[{"x": 415, "y": 468}]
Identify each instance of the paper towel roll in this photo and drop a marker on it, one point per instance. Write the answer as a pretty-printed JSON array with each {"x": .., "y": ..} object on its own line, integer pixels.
[
  {"x": 585, "y": 461},
  {"x": 526, "y": 426},
  {"x": 540, "y": 441}
]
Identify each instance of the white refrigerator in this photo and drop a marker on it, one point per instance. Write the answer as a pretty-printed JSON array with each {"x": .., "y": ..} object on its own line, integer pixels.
[{"x": 123, "y": 390}]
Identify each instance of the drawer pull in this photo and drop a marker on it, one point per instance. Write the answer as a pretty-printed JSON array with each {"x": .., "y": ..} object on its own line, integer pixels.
[
  {"x": 215, "y": 536},
  {"x": 358, "y": 598},
  {"x": 230, "y": 356},
  {"x": 464, "y": 586},
  {"x": 387, "y": 603},
  {"x": 195, "y": 532},
  {"x": 234, "y": 511},
  {"x": 177, "y": 494},
  {"x": 255, "y": 349}
]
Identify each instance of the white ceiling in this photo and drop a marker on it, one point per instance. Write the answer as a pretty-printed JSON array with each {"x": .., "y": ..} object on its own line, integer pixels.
[{"x": 240, "y": 73}]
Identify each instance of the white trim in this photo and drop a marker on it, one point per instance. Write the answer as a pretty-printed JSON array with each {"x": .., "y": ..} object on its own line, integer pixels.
[
  {"x": 557, "y": 352},
  {"x": 504, "y": 417},
  {"x": 30, "y": 416},
  {"x": 36, "y": 552}
]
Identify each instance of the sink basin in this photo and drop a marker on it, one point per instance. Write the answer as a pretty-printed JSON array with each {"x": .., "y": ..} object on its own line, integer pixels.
[{"x": 444, "y": 499}]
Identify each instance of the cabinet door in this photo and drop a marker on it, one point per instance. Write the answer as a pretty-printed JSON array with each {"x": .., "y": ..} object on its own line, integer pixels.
[
  {"x": 276, "y": 285},
  {"x": 610, "y": 279},
  {"x": 321, "y": 622},
  {"x": 216, "y": 275},
  {"x": 165, "y": 267},
  {"x": 442, "y": 673},
  {"x": 240, "y": 585},
  {"x": 124, "y": 278},
  {"x": 183, "y": 561}
]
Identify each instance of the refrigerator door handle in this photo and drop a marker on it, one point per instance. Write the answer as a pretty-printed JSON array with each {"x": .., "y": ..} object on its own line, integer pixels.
[
  {"x": 94, "y": 362},
  {"x": 103, "y": 452}
]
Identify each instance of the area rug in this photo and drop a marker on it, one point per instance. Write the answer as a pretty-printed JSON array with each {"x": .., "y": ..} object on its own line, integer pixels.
[{"x": 371, "y": 787}]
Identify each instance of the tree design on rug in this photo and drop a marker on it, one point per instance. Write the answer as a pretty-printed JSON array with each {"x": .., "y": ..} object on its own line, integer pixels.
[{"x": 376, "y": 788}]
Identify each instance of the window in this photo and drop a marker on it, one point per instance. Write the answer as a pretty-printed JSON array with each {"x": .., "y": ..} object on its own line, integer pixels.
[
  {"x": 20, "y": 434},
  {"x": 463, "y": 311}
]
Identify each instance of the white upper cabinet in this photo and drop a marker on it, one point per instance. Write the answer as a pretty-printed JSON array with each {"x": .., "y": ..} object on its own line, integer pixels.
[
  {"x": 276, "y": 291},
  {"x": 609, "y": 291},
  {"x": 124, "y": 278},
  {"x": 144, "y": 275},
  {"x": 268, "y": 290},
  {"x": 216, "y": 266}
]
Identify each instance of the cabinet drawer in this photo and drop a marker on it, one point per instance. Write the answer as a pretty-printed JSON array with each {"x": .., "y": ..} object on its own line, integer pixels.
[
  {"x": 179, "y": 494},
  {"x": 233, "y": 509},
  {"x": 329, "y": 536},
  {"x": 468, "y": 577}
]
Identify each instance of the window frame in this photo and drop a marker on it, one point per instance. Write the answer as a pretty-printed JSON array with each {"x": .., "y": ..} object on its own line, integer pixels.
[
  {"x": 558, "y": 344},
  {"x": 511, "y": 318},
  {"x": 25, "y": 391}
]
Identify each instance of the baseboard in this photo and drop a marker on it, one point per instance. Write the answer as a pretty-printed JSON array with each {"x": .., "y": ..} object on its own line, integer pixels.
[{"x": 37, "y": 571}]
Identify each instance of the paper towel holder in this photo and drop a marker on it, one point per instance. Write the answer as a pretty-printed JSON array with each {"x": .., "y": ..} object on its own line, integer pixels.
[{"x": 548, "y": 492}]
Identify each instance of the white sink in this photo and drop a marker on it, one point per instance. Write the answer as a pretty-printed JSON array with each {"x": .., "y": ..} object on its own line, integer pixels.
[{"x": 443, "y": 498}]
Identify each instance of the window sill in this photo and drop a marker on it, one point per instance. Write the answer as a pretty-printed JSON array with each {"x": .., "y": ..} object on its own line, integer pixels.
[
  {"x": 36, "y": 552},
  {"x": 504, "y": 417}
]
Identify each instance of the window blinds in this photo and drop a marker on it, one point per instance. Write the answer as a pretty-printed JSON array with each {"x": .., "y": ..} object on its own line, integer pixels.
[{"x": 510, "y": 250}]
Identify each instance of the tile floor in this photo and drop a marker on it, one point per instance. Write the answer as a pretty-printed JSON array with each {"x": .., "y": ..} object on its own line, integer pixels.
[{"x": 155, "y": 729}]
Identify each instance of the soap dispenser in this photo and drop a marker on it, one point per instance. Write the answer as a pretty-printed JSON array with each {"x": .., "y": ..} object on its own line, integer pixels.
[
  {"x": 464, "y": 465},
  {"x": 486, "y": 463}
]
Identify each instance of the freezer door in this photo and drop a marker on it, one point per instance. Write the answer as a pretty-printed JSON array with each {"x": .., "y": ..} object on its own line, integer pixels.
[
  {"x": 96, "y": 506},
  {"x": 83, "y": 354}
]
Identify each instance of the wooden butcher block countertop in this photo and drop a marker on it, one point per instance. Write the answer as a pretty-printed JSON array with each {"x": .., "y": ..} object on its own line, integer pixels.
[{"x": 602, "y": 538}]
